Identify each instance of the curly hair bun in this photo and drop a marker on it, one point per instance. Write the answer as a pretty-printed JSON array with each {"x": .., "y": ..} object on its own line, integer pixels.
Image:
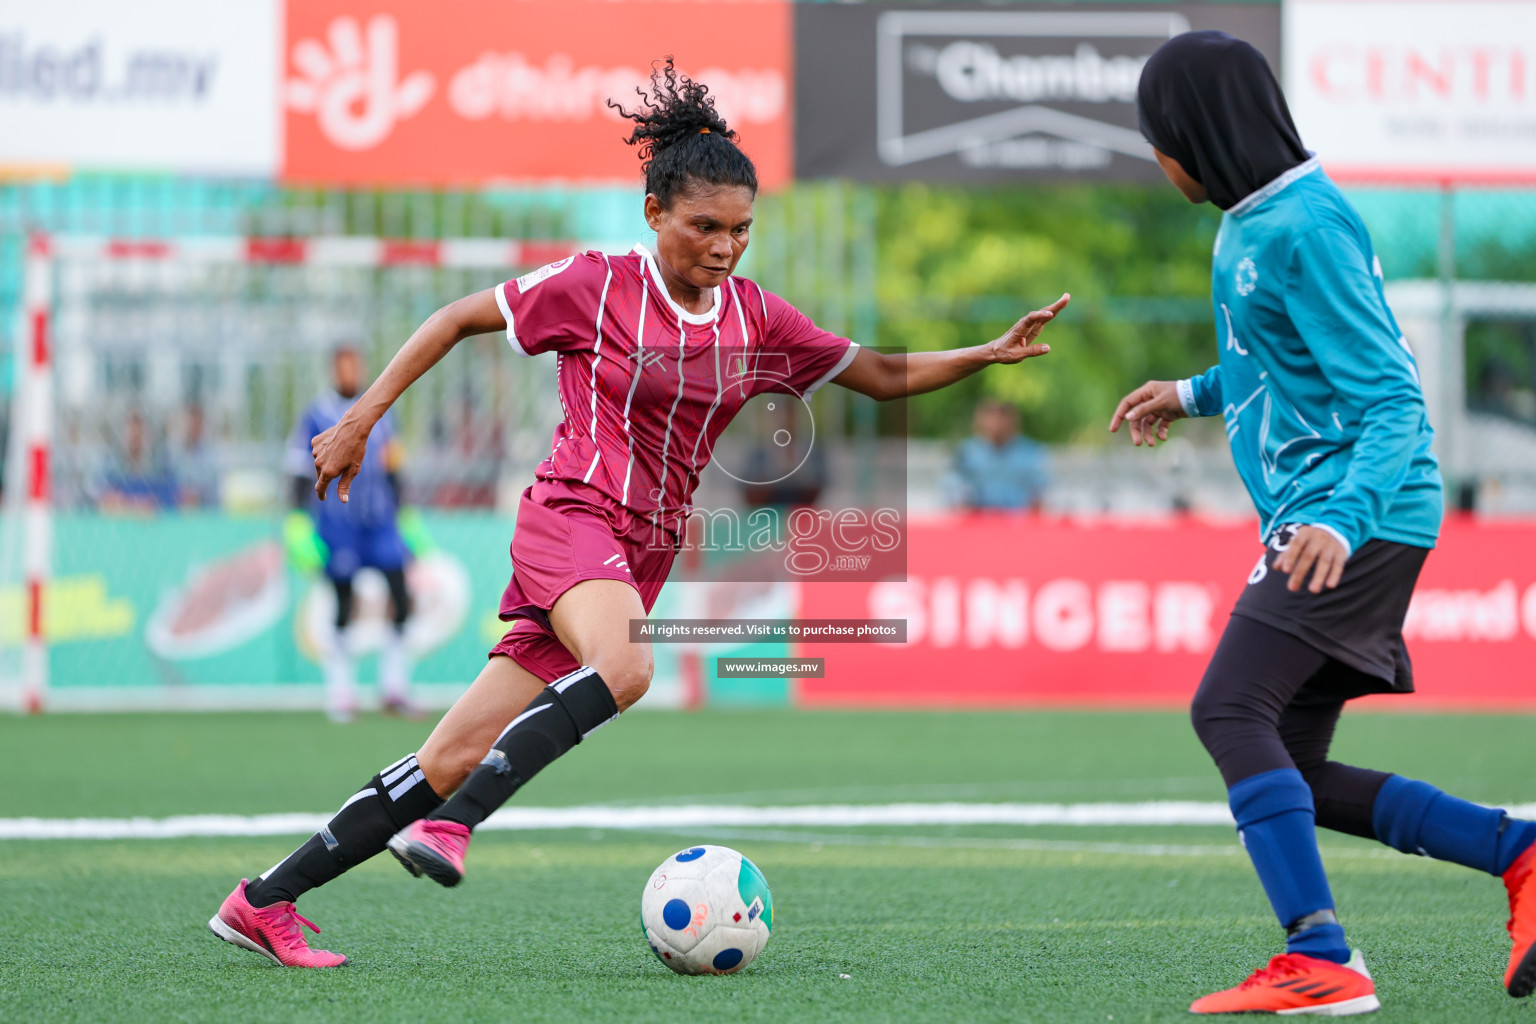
[{"x": 682, "y": 139}]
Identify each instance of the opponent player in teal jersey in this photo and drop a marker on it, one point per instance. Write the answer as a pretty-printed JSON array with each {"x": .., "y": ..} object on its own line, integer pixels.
[{"x": 1327, "y": 425}]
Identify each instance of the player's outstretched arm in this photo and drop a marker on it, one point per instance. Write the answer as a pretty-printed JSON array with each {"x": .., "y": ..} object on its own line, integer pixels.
[
  {"x": 884, "y": 376},
  {"x": 1148, "y": 410},
  {"x": 339, "y": 451}
]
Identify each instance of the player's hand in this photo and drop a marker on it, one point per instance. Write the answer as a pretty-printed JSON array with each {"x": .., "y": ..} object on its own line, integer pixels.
[
  {"x": 1147, "y": 411},
  {"x": 339, "y": 455},
  {"x": 1019, "y": 343},
  {"x": 1315, "y": 549}
]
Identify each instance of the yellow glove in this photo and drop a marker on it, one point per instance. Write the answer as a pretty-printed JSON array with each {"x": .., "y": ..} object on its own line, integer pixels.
[
  {"x": 414, "y": 532},
  {"x": 306, "y": 551}
]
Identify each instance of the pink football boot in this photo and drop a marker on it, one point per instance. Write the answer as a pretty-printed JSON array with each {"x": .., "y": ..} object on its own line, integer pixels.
[
  {"x": 432, "y": 848},
  {"x": 271, "y": 931}
]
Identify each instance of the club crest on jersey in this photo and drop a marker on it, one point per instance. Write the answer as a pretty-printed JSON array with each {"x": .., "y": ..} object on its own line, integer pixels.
[
  {"x": 532, "y": 278},
  {"x": 1247, "y": 276}
]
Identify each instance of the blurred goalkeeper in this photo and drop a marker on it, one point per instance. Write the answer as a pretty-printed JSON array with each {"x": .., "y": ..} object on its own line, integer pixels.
[{"x": 343, "y": 538}]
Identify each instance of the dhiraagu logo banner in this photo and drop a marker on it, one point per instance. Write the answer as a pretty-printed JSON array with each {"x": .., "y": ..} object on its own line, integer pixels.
[{"x": 202, "y": 610}]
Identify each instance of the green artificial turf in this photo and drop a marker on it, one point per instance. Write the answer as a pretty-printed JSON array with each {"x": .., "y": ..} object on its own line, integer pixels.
[{"x": 929, "y": 924}]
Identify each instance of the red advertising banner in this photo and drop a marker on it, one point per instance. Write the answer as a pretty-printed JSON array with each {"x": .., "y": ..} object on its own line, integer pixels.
[
  {"x": 1018, "y": 610},
  {"x": 415, "y": 92}
]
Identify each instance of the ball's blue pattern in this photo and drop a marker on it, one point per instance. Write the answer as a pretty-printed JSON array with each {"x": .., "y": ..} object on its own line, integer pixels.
[
  {"x": 693, "y": 854},
  {"x": 676, "y": 914},
  {"x": 727, "y": 958}
]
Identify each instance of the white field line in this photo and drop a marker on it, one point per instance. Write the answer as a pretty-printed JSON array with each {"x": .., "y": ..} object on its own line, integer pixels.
[
  {"x": 816, "y": 840},
  {"x": 701, "y": 816}
]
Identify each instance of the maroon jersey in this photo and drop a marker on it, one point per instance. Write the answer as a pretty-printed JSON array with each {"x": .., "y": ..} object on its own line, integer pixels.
[{"x": 647, "y": 387}]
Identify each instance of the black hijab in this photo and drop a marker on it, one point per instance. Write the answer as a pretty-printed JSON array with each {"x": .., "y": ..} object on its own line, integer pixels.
[{"x": 1210, "y": 101}]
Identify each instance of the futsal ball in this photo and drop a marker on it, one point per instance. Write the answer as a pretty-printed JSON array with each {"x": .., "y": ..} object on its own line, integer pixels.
[{"x": 706, "y": 910}]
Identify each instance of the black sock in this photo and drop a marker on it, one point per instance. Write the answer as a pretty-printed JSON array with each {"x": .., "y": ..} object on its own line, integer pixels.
[
  {"x": 556, "y": 720},
  {"x": 391, "y": 800}
]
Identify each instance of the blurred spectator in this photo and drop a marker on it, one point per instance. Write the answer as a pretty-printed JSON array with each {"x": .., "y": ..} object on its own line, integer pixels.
[
  {"x": 137, "y": 476},
  {"x": 998, "y": 468},
  {"x": 77, "y": 463},
  {"x": 197, "y": 462}
]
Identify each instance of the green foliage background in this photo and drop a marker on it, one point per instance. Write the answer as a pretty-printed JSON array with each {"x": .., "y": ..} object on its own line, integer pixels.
[{"x": 958, "y": 266}]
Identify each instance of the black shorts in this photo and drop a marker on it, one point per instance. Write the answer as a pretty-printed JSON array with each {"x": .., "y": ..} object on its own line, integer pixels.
[{"x": 1359, "y": 623}]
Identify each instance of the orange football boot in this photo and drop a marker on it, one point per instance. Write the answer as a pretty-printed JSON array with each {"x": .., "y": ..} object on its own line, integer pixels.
[
  {"x": 1520, "y": 880},
  {"x": 1296, "y": 984}
]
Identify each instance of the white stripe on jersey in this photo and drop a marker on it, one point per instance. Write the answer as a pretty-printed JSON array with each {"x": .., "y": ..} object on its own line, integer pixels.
[
  {"x": 666, "y": 442},
  {"x": 597, "y": 353},
  {"x": 645, "y": 300},
  {"x": 565, "y": 414},
  {"x": 746, "y": 339},
  {"x": 506, "y": 312},
  {"x": 837, "y": 368},
  {"x": 719, "y": 385}
]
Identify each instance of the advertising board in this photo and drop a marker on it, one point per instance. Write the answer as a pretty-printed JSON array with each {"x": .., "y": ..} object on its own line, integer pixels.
[
  {"x": 958, "y": 92},
  {"x": 1016, "y": 611},
  {"x": 149, "y": 85},
  {"x": 415, "y": 92},
  {"x": 1417, "y": 91}
]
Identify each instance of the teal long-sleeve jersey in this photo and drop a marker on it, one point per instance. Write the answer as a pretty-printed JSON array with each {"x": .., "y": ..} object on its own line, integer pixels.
[{"x": 1318, "y": 388}]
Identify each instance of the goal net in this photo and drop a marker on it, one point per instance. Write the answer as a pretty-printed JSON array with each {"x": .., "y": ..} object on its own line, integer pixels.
[{"x": 157, "y": 383}]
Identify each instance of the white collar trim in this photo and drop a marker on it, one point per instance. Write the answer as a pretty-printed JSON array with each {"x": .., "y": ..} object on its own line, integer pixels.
[
  {"x": 1256, "y": 197},
  {"x": 661, "y": 286}
]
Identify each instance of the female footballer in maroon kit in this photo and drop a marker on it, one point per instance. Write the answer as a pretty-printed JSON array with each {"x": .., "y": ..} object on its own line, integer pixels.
[{"x": 656, "y": 352}]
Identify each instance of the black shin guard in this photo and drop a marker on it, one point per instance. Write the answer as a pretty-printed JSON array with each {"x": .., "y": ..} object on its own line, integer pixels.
[
  {"x": 560, "y": 717},
  {"x": 391, "y": 800}
]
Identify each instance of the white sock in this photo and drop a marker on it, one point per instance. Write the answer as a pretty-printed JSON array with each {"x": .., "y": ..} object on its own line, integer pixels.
[
  {"x": 394, "y": 666},
  {"x": 340, "y": 684}
]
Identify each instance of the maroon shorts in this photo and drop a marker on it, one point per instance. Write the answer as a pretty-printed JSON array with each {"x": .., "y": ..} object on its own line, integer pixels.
[{"x": 565, "y": 534}]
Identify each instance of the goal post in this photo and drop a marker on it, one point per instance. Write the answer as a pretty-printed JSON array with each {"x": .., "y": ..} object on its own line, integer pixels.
[
  {"x": 31, "y": 458},
  {"x": 122, "y": 589}
]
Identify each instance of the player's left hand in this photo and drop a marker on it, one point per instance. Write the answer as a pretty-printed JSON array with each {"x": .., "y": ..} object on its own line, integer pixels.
[
  {"x": 1317, "y": 550},
  {"x": 1019, "y": 343},
  {"x": 339, "y": 455}
]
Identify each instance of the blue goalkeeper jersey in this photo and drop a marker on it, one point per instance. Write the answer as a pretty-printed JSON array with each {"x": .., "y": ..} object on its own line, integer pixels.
[
  {"x": 1318, "y": 388},
  {"x": 371, "y": 499}
]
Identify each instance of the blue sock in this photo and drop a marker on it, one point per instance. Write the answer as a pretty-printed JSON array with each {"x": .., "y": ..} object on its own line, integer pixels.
[
  {"x": 1415, "y": 817},
  {"x": 1278, "y": 826}
]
